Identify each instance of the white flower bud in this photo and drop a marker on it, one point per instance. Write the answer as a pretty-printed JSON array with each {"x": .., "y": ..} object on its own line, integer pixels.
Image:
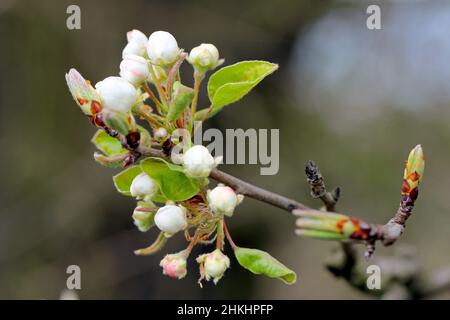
[
  {"x": 134, "y": 69},
  {"x": 223, "y": 200},
  {"x": 204, "y": 57},
  {"x": 214, "y": 265},
  {"x": 198, "y": 162},
  {"x": 174, "y": 265},
  {"x": 171, "y": 219},
  {"x": 162, "y": 48},
  {"x": 160, "y": 134},
  {"x": 117, "y": 94},
  {"x": 137, "y": 43},
  {"x": 143, "y": 186}
]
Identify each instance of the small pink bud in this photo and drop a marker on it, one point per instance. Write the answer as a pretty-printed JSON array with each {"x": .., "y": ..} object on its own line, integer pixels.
[{"x": 174, "y": 265}]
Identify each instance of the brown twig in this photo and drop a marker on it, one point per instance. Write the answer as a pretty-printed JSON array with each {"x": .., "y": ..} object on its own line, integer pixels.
[{"x": 373, "y": 233}]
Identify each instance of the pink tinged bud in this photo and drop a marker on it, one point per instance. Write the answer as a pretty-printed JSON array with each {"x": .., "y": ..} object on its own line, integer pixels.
[
  {"x": 116, "y": 94},
  {"x": 162, "y": 48},
  {"x": 223, "y": 200},
  {"x": 198, "y": 162},
  {"x": 134, "y": 69},
  {"x": 137, "y": 44},
  {"x": 171, "y": 219},
  {"x": 143, "y": 187},
  {"x": 174, "y": 265},
  {"x": 213, "y": 265}
]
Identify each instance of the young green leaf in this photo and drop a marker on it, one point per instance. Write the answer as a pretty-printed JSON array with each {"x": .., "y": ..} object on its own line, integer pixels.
[
  {"x": 123, "y": 180},
  {"x": 108, "y": 145},
  {"x": 260, "y": 262},
  {"x": 172, "y": 181},
  {"x": 181, "y": 98},
  {"x": 231, "y": 83}
]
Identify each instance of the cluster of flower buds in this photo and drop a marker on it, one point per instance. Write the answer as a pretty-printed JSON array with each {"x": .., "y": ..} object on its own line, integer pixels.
[{"x": 166, "y": 105}]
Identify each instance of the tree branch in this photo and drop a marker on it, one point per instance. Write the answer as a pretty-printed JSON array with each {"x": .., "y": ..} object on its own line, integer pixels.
[
  {"x": 370, "y": 233},
  {"x": 257, "y": 193}
]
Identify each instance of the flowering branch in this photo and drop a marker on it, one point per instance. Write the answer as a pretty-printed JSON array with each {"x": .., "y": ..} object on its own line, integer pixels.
[{"x": 169, "y": 176}]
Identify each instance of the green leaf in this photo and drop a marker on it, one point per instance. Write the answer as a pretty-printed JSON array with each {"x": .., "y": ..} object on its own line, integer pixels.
[
  {"x": 182, "y": 96},
  {"x": 172, "y": 181},
  {"x": 231, "y": 83},
  {"x": 107, "y": 144},
  {"x": 123, "y": 180},
  {"x": 260, "y": 262}
]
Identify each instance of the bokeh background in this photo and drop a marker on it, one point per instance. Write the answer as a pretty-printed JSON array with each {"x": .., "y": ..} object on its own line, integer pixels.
[{"x": 354, "y": 100}]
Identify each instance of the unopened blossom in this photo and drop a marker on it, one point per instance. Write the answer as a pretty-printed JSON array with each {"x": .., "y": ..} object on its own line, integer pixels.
[
  {"x": 171, "y": 219},
  {"x": 213, "y": 265},
  {"x": 222, "y": 200},
  {"x": 162, "y": 48},
  {"x": 204, "y": 57},
  {"x": 116, "y": 94},
  {"x": 174, "y": 265},
  {"x": 143, "y": 186},
  {"x": 134, "y": 69},
  {"x": 198, "y": 161},
  {"x": 137, "y": 44}
]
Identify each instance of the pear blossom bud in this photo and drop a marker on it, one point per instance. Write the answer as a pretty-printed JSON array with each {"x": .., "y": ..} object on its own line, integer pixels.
[
  {"x": 171, "y": 219},
  {"x": 204, "y": 57},
  {"x": 134, "y": 69},
  {"x": 162, "y": 48},
  {"x": 116, "y": 94},
  {"x": 198, "y": 162},
  {"x": 137, "y": 43},
  {"x": 174, "y": 265},
  {"x": 143, "y": 217},
  {"x": 213, "y": 265},
  {"x": 160, "y": 134},
  {"x": 223, "y": 200},
  {"x": 143, "y": 186}
]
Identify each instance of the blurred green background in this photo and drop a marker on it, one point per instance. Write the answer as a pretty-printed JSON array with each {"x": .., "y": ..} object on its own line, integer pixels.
[{"x": 354, "y": 100}]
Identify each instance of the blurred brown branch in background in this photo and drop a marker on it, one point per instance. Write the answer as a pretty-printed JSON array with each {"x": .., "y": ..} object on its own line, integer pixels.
[{"x": 402, "y": 275}]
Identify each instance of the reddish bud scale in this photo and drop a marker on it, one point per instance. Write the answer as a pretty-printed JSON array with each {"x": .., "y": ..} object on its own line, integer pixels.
[
  {"x": 95, "y": 107},
  {"x": 361, "y": 229},
  {"x": 81, "y": 101}
]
